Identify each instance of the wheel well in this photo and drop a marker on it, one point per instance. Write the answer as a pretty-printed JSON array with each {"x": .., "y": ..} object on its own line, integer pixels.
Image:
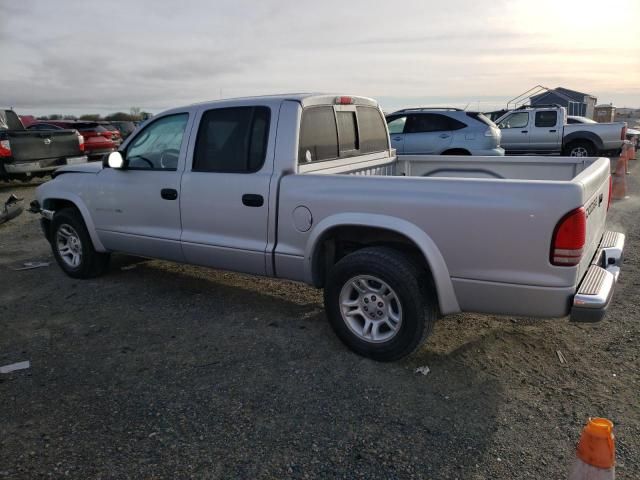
[
  {"x": 56, "y": 204},
  {"x": 341, "y": 241},
  {"x": 578, "y": 141},
  {"x": 456, "y": 151}
]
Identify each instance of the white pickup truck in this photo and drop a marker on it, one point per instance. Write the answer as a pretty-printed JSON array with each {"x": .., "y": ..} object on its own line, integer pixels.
[
  {"x": 545, "y": 130},
  {"x": 307, "y": 188}
]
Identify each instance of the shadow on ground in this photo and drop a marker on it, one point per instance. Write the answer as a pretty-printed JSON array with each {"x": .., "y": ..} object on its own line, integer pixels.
[{"x": 165, "y": 370}]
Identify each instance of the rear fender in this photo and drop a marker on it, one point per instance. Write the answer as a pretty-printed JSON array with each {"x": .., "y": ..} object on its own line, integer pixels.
[
  {"x": 446, "y": 296},
  {"x": 584, "y": 135}
]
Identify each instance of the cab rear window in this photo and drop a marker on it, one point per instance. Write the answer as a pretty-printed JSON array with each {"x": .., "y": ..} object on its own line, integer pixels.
[{"x": 327, "y": 134}]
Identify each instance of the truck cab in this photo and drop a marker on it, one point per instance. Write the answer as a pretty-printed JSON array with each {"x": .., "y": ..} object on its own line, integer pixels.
[{"x": 533, "y": 130}]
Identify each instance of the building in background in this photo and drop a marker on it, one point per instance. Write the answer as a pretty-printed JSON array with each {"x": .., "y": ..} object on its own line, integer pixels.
[
  {"x": 576, "y": 103},
  {"x": 604, "y": 113}
]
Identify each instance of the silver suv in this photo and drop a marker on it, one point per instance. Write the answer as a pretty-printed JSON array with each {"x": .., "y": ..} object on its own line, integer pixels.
[{"x": 443, "y": 131}]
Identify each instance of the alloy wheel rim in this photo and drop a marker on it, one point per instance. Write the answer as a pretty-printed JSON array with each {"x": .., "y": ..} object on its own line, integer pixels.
[
  {"x": 579, "y": 152},
  {"x": 69, "y": 245},
  {"x": 370, "y": 308}
]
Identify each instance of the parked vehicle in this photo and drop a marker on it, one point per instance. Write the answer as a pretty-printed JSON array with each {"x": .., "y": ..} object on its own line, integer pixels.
[
  {"x": 115, "y": 132},
  {"x": 443, "y": 131},
  {"x": 27, "y": 120},
  {"x": 98, "y": 140},
  {"x": 25, "y": 154},
  {"x": 126, "y": 128},
  {"x": 545, "y": 130},
  {"x": 308, "y": 188}
]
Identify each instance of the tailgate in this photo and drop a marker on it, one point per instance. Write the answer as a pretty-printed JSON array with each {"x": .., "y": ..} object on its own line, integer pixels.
[
  {"x": 39, "y": 145},
  {"x": 595, "y": 183}
]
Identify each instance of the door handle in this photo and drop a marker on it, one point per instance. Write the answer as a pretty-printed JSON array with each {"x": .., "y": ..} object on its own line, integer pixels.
[
  {"x": 252, "y": 200},
  {"x": 553, "y": 131},
  {"x": 525, "y": 131},
  {"x": 169, "y": 193},
  {"x": 444, "y": 135},
  {"x": 397, "y": 139}
]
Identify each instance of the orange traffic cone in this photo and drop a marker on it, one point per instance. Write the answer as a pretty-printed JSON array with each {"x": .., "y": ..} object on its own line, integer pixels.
[
  {"x": 619, "y": 180},
  {"x": 596, "y": 453}
]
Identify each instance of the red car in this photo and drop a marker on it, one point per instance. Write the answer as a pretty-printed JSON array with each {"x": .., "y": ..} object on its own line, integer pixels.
[{"x": 97, "y": 139}]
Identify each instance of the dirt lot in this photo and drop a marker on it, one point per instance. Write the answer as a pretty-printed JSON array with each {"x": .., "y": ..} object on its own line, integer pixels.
[{"x": 159, "y": 370}]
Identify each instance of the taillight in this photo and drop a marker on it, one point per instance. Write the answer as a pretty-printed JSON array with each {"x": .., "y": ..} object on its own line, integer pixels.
[
  {"x": 610, "y": 191},
  {"x": 80, "y": 142},
  {"x": 623, "y": 133},
  {"x": 5, "y": 148},
  {"x": 344, "y": 100},
  {"x": 569, "y": 238}
]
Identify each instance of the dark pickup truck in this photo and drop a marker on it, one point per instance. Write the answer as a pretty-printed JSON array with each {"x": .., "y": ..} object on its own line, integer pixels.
[{"x": 25, "y": 154}]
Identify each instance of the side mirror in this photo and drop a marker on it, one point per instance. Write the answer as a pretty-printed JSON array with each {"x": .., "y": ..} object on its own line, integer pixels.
[{"x": 115, "y": 160}]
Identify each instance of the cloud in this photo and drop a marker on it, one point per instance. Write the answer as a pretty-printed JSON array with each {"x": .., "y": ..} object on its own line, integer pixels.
[{"x": 79, "y": 56}]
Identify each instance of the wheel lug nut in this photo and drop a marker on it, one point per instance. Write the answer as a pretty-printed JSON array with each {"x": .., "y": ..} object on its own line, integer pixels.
[
  {"x": 380, "y": 304},
  {"x": 373, "y": 297},
  {"x": 366, "y": 309},
  {"x": 379, "y": 313},
  {"x": 366, "y": 300}
]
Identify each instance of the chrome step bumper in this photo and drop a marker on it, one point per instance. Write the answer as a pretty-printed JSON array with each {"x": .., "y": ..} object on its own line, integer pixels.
[{"x": 596, "y": 289}]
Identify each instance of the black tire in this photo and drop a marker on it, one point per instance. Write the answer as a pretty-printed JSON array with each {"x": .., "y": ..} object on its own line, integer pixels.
[
  {"x": 412, "y": 288},
  {"x": 91, "y": 263},
  {"x": 579, "y": 148}
]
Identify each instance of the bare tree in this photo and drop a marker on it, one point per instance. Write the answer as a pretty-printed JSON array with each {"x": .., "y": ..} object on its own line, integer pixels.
[{"x": 135, "y": 113}]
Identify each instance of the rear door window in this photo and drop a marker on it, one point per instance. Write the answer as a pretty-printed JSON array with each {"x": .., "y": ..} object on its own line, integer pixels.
[
  {"x": 431, "y": 122},
  {"x": 546, "y": 118},
  {"x": 232, "y": 140}
]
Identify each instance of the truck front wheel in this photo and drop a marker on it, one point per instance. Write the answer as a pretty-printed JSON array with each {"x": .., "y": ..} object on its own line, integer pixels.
[
  {"x": 72, "y": 246},
  {"x": 379, "y": 303}
]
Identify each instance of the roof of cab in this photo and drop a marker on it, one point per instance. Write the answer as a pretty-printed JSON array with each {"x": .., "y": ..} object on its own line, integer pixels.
[{"x": 305, "y": 99}]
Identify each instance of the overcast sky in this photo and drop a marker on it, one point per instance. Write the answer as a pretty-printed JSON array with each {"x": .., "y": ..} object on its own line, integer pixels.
[{"x": 88, "y": 56}]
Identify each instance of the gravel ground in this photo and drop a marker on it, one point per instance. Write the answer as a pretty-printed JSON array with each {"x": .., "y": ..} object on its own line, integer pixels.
[{"x": 159, "y": 370}]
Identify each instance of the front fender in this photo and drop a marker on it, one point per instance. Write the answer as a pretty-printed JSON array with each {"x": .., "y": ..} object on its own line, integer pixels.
[
  {"x": 47, "y": 194},
  {"x": 446, "y": 296}
]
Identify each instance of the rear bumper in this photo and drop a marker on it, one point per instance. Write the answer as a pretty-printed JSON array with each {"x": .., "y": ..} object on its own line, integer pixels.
[
  {"x": 27, "y": 168},
  {"x": 596, "y": 289}
]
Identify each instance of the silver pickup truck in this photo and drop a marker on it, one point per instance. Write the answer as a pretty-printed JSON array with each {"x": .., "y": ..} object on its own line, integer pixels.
[
  {"x": 307, "y": 188},
  {"x": 545, "y": 130}
]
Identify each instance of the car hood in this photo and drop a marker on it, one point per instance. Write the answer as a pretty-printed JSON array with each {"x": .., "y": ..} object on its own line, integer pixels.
[{"x": 91, "y": 167}]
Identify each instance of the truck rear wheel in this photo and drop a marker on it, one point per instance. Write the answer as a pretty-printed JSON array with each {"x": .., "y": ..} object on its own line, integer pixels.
[
  {"x": 580, "y": 149},
  {"x": 379, "y": 303},
  {"x": 72, "y": 246}
]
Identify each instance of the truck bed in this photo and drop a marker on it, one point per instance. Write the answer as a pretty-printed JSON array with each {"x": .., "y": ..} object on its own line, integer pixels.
[{"x": 508, "y": 206}]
